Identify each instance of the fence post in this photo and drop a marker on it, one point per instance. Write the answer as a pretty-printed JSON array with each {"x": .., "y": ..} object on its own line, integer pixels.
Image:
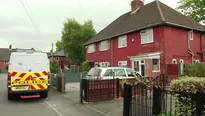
[
  {"x": 156, "y": 106},
  {"x": 81, "y": 88},
  {"x": 199, "y": 103},
  {"x": 118, "y": 87},
  {"x": 127, "y": 99},
  {"x": 63, "y": 83}
]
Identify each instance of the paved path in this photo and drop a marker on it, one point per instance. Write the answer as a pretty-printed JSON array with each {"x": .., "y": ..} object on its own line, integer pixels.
[{"x": 56, "y": 105}]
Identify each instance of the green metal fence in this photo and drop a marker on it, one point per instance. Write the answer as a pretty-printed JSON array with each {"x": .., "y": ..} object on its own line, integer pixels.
[
  {"x": 72, "y": 76},
  {"x": 3, "y": 71}
]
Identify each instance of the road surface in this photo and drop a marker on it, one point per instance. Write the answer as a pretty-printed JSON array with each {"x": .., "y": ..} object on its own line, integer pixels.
[
  {"x": 31, "y": 107},
  {"x": 56, "y": 105}
]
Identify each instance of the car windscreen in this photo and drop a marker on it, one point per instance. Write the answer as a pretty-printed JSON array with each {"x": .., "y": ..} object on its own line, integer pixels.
[{"x": 94, "y": 72}]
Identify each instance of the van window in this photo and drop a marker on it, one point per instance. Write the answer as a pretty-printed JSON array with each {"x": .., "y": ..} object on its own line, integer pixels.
[
  {"x": 131, "y": 73},
  {"x": 94, "y": 72},
  {"x": 119, "y": 72}
]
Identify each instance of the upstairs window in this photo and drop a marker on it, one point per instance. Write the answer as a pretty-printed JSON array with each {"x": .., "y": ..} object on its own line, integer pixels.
[
  {"x": 91, "y": 48},
  {"x": 104, "y": 45},
  {"x": 146, "y": 36},
  {"x": 191, "y": 35},
  {"x": 122, "y": 41}
]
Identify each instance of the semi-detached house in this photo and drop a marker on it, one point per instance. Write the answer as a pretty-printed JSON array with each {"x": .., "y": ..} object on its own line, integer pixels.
[{"x": 147, "y": 38}]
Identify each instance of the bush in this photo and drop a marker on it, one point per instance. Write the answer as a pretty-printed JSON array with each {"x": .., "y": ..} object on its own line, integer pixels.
[
  {"x": 195, "y": 70},
  {"x": 189, "y": 85},
  {"x": 86, "y": 66},
  {"x": 54, "y": 67}
]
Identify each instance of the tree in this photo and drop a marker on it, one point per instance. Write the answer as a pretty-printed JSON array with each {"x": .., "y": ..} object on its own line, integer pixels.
[
  {"x": 59, "y": 46},
  {"x": 195, "y": 9},
  {"x": 74, "y": 35},
  {"x": 54, "y": 67}
]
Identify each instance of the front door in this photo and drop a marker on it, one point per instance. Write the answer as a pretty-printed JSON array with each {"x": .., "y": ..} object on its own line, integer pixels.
[{"x": 139, "y": 66}]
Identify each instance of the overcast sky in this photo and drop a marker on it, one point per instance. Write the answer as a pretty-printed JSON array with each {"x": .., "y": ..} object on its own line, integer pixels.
[{"x": 17, "y": 29}]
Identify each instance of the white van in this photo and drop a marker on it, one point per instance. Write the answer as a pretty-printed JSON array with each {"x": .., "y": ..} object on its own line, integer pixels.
[
  {"x": 106, "y": 73},
  {"x": 28, "y": 74}
]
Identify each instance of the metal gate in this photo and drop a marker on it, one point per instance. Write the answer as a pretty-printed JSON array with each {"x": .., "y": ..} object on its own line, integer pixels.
[{"x": 97, "y": 89}]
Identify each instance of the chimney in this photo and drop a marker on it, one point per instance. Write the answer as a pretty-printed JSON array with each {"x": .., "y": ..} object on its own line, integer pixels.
[{"x": 135, "y": 5}]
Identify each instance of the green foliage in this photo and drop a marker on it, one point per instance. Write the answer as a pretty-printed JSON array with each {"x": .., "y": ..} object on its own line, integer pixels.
[
  {"x": 59, "y": 45},
  {"x": 86, "y": 66},
  {"x": 123, "y": 81},
  {"x": 54, "y": 67},
  {"x": 189, "y": 85},
  {"x": 74, "y": 35},
  {"x": 195, "y": 70},
  {"x": 143, "y": 81},
  {"x": 165, "y": 114},
  {"x": 193, "y": 8}
]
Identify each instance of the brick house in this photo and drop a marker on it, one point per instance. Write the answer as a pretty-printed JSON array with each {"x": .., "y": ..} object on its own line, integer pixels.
[
  {"x": 61, "y": 58},
  {"x": 146, "y": 38}
]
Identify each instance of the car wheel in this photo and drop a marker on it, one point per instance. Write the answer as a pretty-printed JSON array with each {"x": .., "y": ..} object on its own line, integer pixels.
[{"x": 44, "y": 95}]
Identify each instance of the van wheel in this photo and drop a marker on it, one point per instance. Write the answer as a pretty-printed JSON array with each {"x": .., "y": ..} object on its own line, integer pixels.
[
  {"x": 44, "y": 94},
  {"x": 9, "y": 96}
]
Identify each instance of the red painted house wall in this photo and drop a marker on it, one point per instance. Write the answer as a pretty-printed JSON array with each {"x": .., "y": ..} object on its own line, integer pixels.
[
  {"x": 203, "y": 46},
  {"x": 176, "y": 42},
  {"x": 3, "y": 65},
  {"x": 99, "y": 56},
  {"x": 136, "y": 48}
]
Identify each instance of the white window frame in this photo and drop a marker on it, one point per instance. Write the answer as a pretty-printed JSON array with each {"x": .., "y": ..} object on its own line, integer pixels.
[
  {"x": 174, "y": 60},
  {"x": 103, "y": 64},
  {"x": 91, "y": 48},
  {"x": 181, "y": 61},
  {"x": 153, "y": 64},
  {"x": 122, "y": 41},
  {"x": 123, "y": 63},
  {"x": 191, "y": 35},
  {"x": 104, "y": 45},
  {"x": 196, "y": 61},
  {"x": 147, "y": 36}
]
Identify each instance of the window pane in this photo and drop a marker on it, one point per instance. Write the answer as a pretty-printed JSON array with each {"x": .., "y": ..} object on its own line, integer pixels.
[
  {"x": 155, "y": 64},
  {"x": 131, "y": 73},
  {"x": 109, "y": 72},
  {"x": 119, "y": 72},
  {"x": 136, "y": 66}
]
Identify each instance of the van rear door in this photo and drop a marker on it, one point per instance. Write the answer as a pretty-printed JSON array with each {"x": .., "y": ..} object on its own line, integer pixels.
[{"x": 29, "y": 71}]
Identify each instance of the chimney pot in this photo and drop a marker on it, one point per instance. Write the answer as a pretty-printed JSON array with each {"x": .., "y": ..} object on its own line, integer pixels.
[{"x": 136, "y": 4}]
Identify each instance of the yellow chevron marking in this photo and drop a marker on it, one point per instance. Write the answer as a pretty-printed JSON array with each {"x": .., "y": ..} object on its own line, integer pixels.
[
  {"x": 33, "y": 75},
  {"x": 35, "y": 86},
  {"x": 17, "y": 74},
  {"x": 11, "y": 71},
  {"x": 40, "y": 73},
  {"x": 25, "y": 76},
  {"x": 45, "y": 86}
]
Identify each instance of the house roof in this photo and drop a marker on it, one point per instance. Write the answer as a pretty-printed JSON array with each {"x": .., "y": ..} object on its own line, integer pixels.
[
  {"x": 153, "y": 14},
  {"x": 59, "y": 53},
  {"x": 5, "y": 54}
]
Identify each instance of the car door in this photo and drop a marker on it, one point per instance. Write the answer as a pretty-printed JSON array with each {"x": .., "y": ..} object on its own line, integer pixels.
[
  {"x": 131, "y": 73},
  {"x": 108, "y": 74}
]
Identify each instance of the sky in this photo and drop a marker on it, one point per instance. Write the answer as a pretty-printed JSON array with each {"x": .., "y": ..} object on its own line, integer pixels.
[{"x": 48, "y": 16}]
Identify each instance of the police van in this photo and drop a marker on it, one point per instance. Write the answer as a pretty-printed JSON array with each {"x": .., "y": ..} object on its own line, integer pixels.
[{"x": 28, "y": 74}]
